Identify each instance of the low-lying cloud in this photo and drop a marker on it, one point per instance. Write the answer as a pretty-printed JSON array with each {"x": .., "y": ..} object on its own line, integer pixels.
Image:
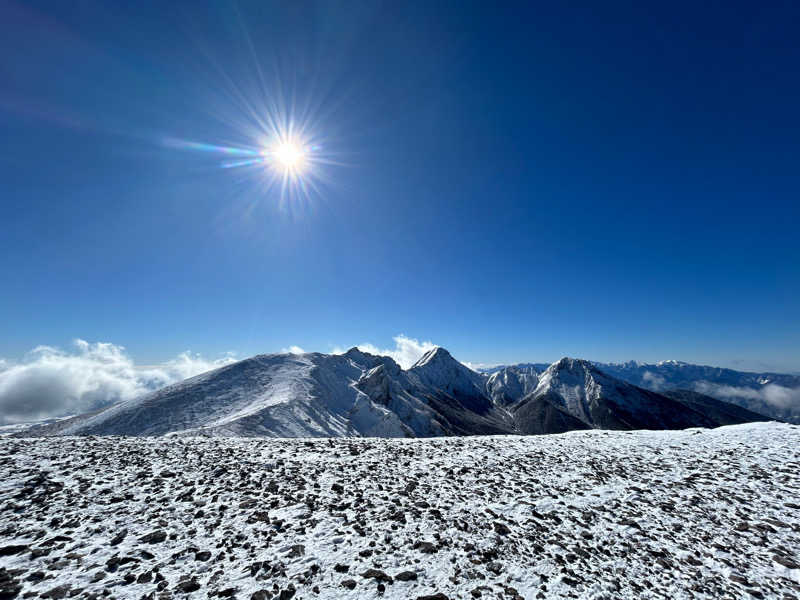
[
  {"x": 293, "y": 350},
  {"x": 780, "y": 397},
  {"x": 50, "y": 382},
  {"x": 653, "y": 380}
]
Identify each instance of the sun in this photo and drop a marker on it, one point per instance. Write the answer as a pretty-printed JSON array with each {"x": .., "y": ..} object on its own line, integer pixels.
[{"x": 288, "y": 156}]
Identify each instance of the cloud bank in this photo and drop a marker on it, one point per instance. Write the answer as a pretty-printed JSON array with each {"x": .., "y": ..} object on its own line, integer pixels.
[
  {"x": 51, "y": 382},
  {"x": 781, "y": 397}
]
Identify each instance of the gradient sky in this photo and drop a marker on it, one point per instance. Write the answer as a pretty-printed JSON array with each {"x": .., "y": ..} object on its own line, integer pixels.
[{"x": 513, "y": 181}]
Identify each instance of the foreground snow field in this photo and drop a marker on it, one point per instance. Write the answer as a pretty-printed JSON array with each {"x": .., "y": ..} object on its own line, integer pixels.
[{"x": 589, "y": 514}]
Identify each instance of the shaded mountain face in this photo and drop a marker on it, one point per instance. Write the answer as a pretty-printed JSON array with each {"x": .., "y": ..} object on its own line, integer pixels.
[
  {"x": 359, "y": 394},
  {"x": 723, "y": 413},
  {"x": 773, "y": 394},
  {"x": 581, "y": 390}
]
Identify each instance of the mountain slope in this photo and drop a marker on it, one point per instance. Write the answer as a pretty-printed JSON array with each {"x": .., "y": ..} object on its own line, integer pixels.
[
  {"x": 454, "y": 393},
  {"x": 269, "y": 395},
  {"x": 358, "y": 394},
  {"x": 583, "y": 391}
]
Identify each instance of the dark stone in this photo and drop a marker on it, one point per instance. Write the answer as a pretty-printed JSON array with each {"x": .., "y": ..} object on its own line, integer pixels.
[
  {"x": 377, "y": 575},
  {"x": 14, "y": 549},
  {"x": 339, "y": 568},
  {"x": 425, "y": 547},
  {"x": 406, "y": 576},
  {"x": 350, "y": 584},
  {"x": 188, "y": 586},
  {"x": 437, "y": 596},
  {"x": 9, "y": 586},
  {"x": 287, "y": 593},
  {"x": 119, "y": 537},
  {"x": 786, "y": 561},
  {"x": 203, "y": 555},
  {"x": 145, "y": 577},
  {"x": 154, "y": 537},
  {"x": 501, "y": 528},
  {"x": 56, "y": 593}
]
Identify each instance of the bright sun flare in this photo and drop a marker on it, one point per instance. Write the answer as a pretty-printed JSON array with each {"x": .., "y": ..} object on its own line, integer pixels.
[{"x": 290, "y": 156}]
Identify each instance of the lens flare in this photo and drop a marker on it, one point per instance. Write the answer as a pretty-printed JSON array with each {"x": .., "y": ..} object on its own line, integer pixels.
[
  {"x": 282, "y": 133},
  {"x": 285, "y": 163},
  {"x": 288, "y": 156}
]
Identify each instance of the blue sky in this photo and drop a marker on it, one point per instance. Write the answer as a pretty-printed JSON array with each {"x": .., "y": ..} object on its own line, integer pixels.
[{"x": 514, "y": 182}]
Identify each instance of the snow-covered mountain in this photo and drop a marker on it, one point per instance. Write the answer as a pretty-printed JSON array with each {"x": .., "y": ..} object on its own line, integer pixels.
[
  {"x": 581, "y": 390},
  {"x": 359, "y": 394}
]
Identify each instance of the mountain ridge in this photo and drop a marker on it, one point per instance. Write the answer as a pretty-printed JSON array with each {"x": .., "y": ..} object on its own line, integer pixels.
[{"x": 361, "y": 394}]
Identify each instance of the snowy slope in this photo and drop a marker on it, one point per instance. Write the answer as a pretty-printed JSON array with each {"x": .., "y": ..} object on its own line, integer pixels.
[
  {"x": 269, "y": 395},
  {"x": 596, "y": 515}
]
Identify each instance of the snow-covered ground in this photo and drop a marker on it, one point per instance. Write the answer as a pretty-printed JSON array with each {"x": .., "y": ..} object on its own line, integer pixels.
[{"x": 589, "y": 514}]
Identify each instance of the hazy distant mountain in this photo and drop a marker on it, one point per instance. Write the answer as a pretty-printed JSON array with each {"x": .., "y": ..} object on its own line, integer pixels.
[
  {"x": 773, "y": 394},
  {"x": 359, "y": 394}
]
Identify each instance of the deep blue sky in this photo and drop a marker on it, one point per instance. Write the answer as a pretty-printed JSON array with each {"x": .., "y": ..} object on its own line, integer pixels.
[{"x": 518, "y": 181}]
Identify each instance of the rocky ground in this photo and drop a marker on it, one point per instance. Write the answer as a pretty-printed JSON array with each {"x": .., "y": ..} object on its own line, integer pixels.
[{"x": 691, "y": 514}]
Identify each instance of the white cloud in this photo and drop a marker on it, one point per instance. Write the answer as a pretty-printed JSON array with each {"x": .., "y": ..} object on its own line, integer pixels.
[
  {"x": 406, "y": 351},
  {"x": 50, "y": 382},
  {"x": 653, "y": 380},
  {"x": 293, "y": 350},
  {"x": 773, "y": 394}
]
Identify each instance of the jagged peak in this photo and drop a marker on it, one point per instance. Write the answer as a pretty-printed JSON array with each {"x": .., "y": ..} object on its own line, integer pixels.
[
  {"x": 356, "y": 351},
  {"x": 435, "y": 355},
  {"x": 571, "y": 364}
]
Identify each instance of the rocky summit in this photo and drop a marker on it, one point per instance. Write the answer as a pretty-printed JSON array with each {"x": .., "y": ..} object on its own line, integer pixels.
[{"x": 588, "y": 514}]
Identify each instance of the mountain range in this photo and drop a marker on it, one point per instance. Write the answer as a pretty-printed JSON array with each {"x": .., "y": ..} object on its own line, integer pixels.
[{"x": 360, "y": 394}]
